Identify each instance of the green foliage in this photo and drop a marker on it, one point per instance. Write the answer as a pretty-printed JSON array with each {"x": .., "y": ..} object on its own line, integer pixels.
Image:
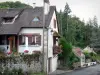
[
  {"x": 16, "y": 4},
  {"x": 93, "y": 56},
  {"x": 72, "y": 59},
  {"x": 98, "y": 56},
  {"x": 67, "y": 9},
  {"x": 87, "y": 54},
  {"x": 66, "y": 49},
  {"x": 77, "y": 32}
]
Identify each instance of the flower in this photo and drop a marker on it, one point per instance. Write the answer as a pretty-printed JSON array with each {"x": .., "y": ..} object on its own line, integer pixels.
[
  {"x": 9, "y": 53},
  {"x": 26, "y": 51}
]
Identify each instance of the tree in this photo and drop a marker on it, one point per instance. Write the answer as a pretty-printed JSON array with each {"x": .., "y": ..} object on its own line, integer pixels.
[
  {"x": 67, "y": 10},
  {"x": 88, "y": 32},
  {"x": 77, "y": 33},
  {"x": 95, "y": 33},
  {"x": 59, "y": 16},
  {"x": 66, "y": 50},
  {"x": 16, "y": 4}
]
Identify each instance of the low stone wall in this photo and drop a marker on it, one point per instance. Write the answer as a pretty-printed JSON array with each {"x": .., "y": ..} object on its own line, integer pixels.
[
  {"x": 26, "y": 63},
  {"x": 77, "y": 65}
]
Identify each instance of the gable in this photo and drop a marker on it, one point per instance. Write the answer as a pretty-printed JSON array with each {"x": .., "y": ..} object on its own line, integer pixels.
[{"x": 53, "y": 22}]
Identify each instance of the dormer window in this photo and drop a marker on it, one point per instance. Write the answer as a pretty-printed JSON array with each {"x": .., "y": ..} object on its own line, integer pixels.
[
  {"x": 8, "y": 20},
  {"x": 36, "y": 19}
]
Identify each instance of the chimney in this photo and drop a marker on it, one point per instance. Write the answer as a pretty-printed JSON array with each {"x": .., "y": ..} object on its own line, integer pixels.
[{"x": 34, "y": 5}]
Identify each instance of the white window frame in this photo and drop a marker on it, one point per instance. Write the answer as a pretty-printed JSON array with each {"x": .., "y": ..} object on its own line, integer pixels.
[{"x": 34, "y": 41}]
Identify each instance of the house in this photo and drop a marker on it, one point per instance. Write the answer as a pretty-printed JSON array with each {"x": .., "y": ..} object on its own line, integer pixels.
[
  {"x": 78, "y": 52},
  {"x": 88, "y": 49},
  {"x": 22, "y": 29}
]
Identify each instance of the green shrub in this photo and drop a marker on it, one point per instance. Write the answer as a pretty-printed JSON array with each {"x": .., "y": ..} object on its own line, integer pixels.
[
  {"x": 87, "y": 55},
  {"x": 72, "y": 59},
  {"x": 66, "y": 50}
]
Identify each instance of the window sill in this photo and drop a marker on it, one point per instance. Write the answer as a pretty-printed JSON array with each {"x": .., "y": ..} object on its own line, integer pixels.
[{"x": 30, "y": 45}]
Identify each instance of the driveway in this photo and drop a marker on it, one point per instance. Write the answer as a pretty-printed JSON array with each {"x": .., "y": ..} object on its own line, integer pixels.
[{"x": 93, "y": 70}]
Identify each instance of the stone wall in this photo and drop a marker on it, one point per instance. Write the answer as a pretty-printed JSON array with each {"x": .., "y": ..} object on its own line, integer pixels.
[{"x": 26, "y": 63}]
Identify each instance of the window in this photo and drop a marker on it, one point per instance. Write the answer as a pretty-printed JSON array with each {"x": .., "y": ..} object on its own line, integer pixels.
[
  {"x": 54, "y": 23},
  {"x": 9, "y": 20},
  {"x": 3, "y": 40},
  {"x": 32, "y": 40},
  {"x": 36, "y": 19},
  {"x": 29, "y": 40},
  {"x": 54, "y": 40},
  {"x": 22, "y": 40}
]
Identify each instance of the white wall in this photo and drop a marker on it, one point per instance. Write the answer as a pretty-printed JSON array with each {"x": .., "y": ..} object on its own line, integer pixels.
[
  {"x": 52, "y": 22},
  {"x": 31, "y": 48},
  {"x": 54, "y": 63},
  {"x": 50, "y": 35},
  {"x": 82, "y": 60}
]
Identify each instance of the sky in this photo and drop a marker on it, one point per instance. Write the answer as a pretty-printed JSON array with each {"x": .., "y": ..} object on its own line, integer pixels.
[{"x": 84, "y": 9}]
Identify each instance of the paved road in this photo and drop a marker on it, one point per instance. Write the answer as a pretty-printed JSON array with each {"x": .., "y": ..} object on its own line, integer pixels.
[{"x": 94, "y": 70}]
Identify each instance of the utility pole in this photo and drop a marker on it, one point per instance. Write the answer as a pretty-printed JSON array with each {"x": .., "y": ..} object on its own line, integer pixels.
[
  {"x": 45, "y": 51},
  {"x": 43, "y": 35}
]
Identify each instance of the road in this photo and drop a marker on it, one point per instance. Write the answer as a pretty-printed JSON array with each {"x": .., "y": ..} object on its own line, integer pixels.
[{"x": 94, "y": 70}]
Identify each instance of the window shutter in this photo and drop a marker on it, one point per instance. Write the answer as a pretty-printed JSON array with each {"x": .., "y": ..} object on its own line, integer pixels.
[{"x": 38, "y": 39}]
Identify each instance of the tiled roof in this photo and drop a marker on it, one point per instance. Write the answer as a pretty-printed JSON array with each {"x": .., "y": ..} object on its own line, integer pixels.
[
  {"x": 77, "y": 52},
  {"x": 24, "y": 19}
]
